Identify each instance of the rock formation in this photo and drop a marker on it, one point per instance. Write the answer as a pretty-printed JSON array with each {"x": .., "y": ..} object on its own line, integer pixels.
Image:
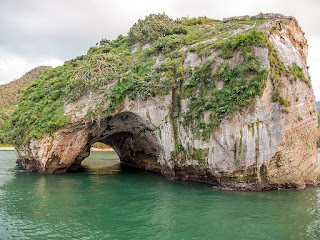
[{"x": 223, "y": 102}]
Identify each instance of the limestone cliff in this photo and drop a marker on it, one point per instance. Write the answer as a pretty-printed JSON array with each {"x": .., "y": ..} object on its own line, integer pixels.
[{"x": 224, "y": 102}]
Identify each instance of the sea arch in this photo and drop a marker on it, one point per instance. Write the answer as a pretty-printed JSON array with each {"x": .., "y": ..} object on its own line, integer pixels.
[{"x": 127, "y": 133}]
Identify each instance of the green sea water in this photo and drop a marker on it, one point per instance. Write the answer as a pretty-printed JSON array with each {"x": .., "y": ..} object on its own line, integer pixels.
[{"x": 107, "y": 201}]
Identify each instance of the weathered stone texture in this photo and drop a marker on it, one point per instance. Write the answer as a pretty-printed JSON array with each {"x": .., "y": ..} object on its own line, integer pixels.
[{"x": 258, "y": 149}]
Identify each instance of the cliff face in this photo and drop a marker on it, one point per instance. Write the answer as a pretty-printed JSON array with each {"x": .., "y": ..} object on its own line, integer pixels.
[{"x": 235, "y": 109}]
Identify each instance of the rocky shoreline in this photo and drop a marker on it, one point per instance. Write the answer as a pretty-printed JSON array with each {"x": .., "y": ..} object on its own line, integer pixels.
[
  {"x": 6, "y": 148},
  {"x": 101, "y": 150}
]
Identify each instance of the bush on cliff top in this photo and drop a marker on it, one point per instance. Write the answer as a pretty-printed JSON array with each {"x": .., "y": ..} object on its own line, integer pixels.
[{"x": 151, "y": 28}]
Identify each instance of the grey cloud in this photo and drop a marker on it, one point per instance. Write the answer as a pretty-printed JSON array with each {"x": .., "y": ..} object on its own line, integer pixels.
[
  {"x": 64, "y": 29},
  {"x": 61, "y": 28}
]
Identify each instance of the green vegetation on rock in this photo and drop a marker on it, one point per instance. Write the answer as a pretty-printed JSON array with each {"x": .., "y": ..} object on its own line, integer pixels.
[
  {"x": 297, "y": 72},
  {"x": 241, "y": 84},
  {"x": 277, "y": 72},
  {"x": 150, "y": 61}
]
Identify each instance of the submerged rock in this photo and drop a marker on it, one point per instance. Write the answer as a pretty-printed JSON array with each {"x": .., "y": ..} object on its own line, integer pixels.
[{"x": 224, "y": 102}]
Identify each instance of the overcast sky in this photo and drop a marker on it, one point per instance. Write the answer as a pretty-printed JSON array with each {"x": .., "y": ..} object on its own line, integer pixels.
[{"x": 43, "y": 32}]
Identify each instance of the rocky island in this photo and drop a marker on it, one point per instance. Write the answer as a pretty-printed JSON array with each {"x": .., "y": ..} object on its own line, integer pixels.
[{"x": 226, "y": 102}]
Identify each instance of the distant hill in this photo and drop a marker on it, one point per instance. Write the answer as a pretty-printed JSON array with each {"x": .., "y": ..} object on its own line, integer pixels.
[
  {"x": 10, "y": 92},
  {"x": 9, "y": 96},
  {"x": 318, "y": 108}
]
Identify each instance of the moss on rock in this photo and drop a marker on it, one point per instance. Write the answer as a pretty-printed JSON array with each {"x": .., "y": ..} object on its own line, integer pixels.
[{"x": 115, "y": 70}]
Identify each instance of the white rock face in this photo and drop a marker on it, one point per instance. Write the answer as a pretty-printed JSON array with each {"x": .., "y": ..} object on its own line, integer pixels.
[{"x": 259, "y": 148}]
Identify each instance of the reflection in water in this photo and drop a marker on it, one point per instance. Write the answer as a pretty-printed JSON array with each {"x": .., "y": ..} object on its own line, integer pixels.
[
  {"x": 102, "y": 163},
  {"x": 314, "y": 211},
  {"x": 99, "y": 164},
  {"x": 107, "y": 201},
  {"x": 101, "y": 167},
  {"x": 163, "y": 212}
]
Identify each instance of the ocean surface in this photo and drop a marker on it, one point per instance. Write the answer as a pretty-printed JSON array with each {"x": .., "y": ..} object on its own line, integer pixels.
[{"x": 108, "y": 201}]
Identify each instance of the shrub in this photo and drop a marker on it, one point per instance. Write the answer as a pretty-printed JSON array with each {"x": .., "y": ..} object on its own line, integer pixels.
[
  {"x": 298, "y": 73},
  {"x": 276, "y": 97},
  {"x": 151, "y": 28},
  {"x": 179, "y": 147},
  {"x": 179, "y": 30},
  {"x": 243, "y": 41},
  {"x": 285, "y": 110}
]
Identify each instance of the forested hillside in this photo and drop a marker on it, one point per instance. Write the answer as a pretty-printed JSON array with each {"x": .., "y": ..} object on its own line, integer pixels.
[
  {"x": 9, "y": 96},
  {"x": 10, "y": 92}
]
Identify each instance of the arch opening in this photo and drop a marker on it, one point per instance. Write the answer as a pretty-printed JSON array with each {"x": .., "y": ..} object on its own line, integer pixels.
[
  {"x": 102, "y": 160},
  {"x": 129, "y": 136}
]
